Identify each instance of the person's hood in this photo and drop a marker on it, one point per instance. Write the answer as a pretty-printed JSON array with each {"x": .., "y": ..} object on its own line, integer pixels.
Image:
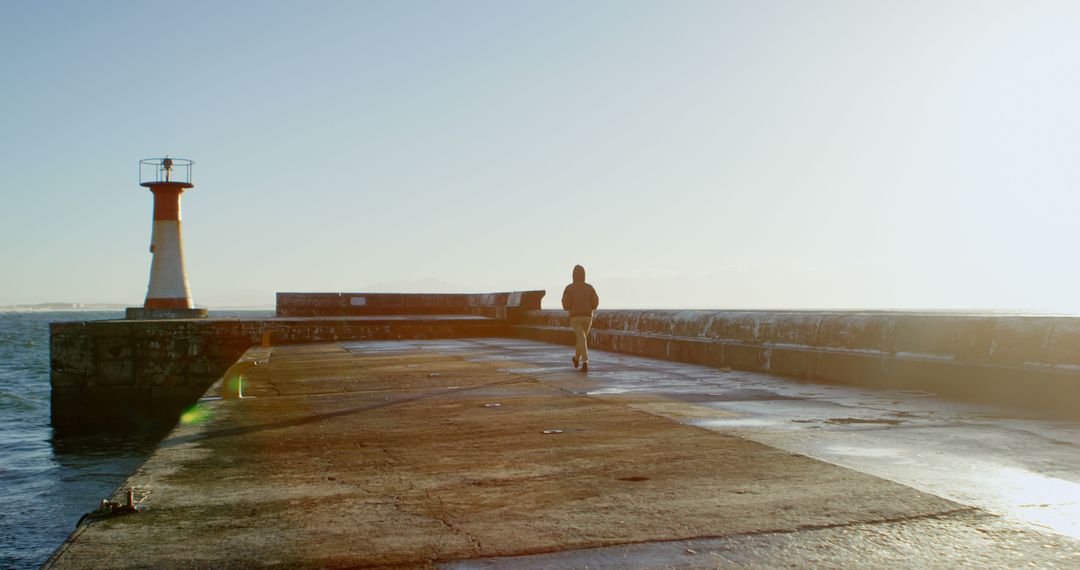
[{"x": 579, "y": 274}]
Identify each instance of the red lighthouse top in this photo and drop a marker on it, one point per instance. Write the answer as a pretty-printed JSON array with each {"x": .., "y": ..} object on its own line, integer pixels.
[{"x": 166, "y": 171}]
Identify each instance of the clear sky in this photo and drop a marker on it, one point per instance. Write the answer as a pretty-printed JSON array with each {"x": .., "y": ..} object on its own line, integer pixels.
[{"x": 717, "y": 154}]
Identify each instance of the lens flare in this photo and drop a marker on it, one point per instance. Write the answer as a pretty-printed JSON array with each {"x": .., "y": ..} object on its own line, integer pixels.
[
  {"x": 233, "y": 386},
  {"x": 196, "y": 414}
]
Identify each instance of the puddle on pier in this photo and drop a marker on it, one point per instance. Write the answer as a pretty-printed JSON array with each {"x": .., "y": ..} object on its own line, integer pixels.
[
  {"x": 1025, "y": 469},
  {"x": 737, "y": 423}
]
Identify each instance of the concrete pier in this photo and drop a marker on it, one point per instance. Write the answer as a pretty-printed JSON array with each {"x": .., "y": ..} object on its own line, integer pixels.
[
  {"x": 494, "y": 452},
  {"x": 132, "y": 373},
  {"x": 141, "y": 373}
]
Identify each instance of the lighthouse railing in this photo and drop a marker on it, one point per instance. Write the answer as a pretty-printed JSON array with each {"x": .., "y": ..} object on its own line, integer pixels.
[{"x": 165, "y": 169}]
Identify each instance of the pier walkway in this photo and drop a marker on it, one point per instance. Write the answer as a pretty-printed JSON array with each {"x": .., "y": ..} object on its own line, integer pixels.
[{"x": 495, "y": 453}]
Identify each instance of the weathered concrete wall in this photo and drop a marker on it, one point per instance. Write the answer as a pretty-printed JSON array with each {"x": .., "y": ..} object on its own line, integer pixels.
[
  {"x": 1031, "y": 362},
  {"x": 138, "y": 373},
  {"x": 124, "y": 372},
  {"x": 495, "y": 305}
]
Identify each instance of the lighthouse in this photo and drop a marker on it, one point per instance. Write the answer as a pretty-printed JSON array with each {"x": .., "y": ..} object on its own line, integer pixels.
[{"x": 168, "y": 294}]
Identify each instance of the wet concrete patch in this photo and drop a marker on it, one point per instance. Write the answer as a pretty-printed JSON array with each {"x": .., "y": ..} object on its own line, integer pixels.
[
  {"x": 733, "y": 395},
  {"x": 737, "y": 423},
  {"x": 963, "y": 539},
  {"x": 982, "y": 456},
  {"x": 377, "y": 347}
]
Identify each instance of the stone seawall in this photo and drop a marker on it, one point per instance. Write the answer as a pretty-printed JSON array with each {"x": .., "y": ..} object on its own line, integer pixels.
[
  {"x": 136, "y": 373},
  {"x": 139, "y": 373},
  {"x": 504, "y": 305},
  {"x": 1029, "y": 362},
  {"x": 129, "y": 373}
]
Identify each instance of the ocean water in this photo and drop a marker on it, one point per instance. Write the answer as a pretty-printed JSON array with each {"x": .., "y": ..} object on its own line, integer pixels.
[{"x": 47, "y": 482}]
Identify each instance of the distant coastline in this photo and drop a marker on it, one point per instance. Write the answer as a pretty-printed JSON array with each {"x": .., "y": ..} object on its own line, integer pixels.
[
  {"x": 63, "y": 307},
  {"x": 46, "y": 307}
]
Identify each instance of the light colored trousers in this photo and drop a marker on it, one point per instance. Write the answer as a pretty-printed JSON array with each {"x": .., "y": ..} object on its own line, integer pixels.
[{"x": 581, "y": 326}]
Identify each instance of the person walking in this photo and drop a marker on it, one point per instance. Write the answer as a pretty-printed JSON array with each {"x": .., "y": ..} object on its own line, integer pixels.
[{"x": 579, "y": 298}]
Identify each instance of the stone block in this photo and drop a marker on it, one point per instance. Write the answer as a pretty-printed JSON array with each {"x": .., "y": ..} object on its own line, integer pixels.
[
  {"x": 1062, "y": 342},
  {"x": 960, "y": 338},
  {"x": 849, "y": 368},
  {"x": 622, "y": 321},
  {"x": 795, "y": 363},
  {"x": 745, "y": 356},
  {"x": 799, "y": 329},
  {"x": 690, "y": 324},
  {"x": 113, "y": 373},
  {"x": 855, "y": 332},
  {"x": 346, "y": 304},
  {"x": 1020, "y": 340},
  {"x": 708, "y": 353},
  {"x": 918, "y": 374},
  {"x": 172, "y": 399},
  {"x": 208, "y": 367},
  {"x": 116, "y": 407},
  {"x": 738, "y": 327},
  {"x": 652, "y": 346},
  {"x": 113, "y": 348},
  {"x": 702, "y": 352},
  {"x": 74, "y": 355},
  {"x": 654, "y": 323},
  {"x": 63, "y": 379}
]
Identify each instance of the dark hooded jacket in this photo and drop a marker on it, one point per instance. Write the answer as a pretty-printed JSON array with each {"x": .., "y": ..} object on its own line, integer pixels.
[{"x": 579, "y": 297}]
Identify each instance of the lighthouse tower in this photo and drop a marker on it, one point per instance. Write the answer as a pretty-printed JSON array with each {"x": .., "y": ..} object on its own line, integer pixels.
[{"x": 168, "y": 295}]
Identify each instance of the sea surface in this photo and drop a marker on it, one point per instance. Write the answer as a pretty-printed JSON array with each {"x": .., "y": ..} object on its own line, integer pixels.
[{"x": 46, "y": 482}]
